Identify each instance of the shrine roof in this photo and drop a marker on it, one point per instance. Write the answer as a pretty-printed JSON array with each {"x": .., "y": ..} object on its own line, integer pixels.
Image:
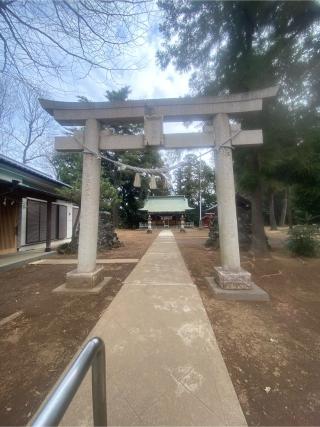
[{"x": 166, "y": 204}]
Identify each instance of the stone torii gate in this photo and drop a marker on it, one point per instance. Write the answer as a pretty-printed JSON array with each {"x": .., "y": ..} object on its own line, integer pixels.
[{"x": 153, "y": 112}]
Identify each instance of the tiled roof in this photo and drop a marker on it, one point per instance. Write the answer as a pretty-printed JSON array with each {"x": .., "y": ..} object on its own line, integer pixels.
[
  {"x": 29, "y": 170},
  {"x": 166, "y": 204}
]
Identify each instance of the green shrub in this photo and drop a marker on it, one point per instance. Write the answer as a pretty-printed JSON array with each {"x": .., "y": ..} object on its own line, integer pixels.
[{"x": 303, "y": 240}]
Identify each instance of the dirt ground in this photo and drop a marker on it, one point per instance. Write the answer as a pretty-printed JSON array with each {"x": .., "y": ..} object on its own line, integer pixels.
[
  {"x": 271, "y": 349},
  {"x": 37, "y": 346}
]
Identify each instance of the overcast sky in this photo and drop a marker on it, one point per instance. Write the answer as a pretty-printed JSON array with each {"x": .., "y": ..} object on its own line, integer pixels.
[{"x": 148, "y": 81}]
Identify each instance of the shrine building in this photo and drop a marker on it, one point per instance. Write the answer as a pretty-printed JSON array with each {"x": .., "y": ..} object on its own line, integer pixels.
[{"x": 166, "y": 211}]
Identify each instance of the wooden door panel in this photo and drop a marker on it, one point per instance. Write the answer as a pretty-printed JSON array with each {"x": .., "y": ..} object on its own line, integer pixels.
[{"x": 8, "y": 227}]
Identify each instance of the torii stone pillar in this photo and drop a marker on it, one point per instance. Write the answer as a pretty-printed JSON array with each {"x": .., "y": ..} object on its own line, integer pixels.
[
  {"x": 87, "y": 275},
  {"x": 229, "y": 275}
]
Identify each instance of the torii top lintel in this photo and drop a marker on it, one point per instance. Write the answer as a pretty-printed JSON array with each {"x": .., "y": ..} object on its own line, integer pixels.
[{"x": 171, "y": 109}]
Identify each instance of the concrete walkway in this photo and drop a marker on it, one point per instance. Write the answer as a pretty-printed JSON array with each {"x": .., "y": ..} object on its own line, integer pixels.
[
  {"x": 164, "y": 366},
  {"x": 18, "y": 259},
  {"x": 71, "y": 261}
]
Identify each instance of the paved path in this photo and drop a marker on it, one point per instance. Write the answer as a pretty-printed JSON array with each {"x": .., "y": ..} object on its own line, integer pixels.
[
  {"x": 67, "y": 261},
  {"x": 164, "y": 366},
  {"x": 18, "y": 259}
]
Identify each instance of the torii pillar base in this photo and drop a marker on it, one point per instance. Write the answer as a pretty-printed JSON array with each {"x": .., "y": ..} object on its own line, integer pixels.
[
  {"x": 228, "y": 279},
  {"x": 255, "y": 293},
  {"x": 74, "y": 279},
  {"x": 84, "y": 283}
]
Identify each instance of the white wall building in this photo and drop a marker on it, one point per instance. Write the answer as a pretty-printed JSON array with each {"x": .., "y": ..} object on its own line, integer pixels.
[{"x": 32, "y": 211}]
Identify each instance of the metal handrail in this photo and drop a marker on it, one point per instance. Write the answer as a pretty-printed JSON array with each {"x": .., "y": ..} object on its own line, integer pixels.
[{"x": 53, "y": 408}]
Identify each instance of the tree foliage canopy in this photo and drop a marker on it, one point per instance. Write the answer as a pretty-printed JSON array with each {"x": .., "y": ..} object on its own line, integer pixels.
[
  {"x": 131, "y": 198},
  {"x": 117, "y": 193},
  {"x": 195, "y": 176},
  {"x": 239, "y": 46}
]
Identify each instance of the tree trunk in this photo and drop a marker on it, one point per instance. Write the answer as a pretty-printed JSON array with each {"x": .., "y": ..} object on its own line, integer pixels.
[
  {"x": 284, "y": 209},
  {"x": 290, "y": 222},
  {"x": 115, "y": 215},
  {"x": 75, "y": 226},
  {"x": 259, "y": 244},
  {"x": 272, "y": 217}
]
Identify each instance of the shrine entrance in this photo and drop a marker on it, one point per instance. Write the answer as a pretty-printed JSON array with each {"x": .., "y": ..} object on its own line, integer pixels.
[{"x": 153, "y": 113}]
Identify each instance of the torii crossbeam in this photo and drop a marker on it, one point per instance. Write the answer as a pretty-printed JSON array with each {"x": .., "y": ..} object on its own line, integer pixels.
[{"x": 153, "y": 112}]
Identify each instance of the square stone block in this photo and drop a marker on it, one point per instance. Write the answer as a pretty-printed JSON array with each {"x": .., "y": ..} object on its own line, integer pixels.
[
  {"x": 228, "y": 279},
  {"x": 253, "y": 294},
  {"x": 62, "y": 289},
  {"x": 74, "y": 279}
]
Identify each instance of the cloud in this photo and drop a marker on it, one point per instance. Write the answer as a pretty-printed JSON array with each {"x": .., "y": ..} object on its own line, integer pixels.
[{"x": 147, "y": 82}]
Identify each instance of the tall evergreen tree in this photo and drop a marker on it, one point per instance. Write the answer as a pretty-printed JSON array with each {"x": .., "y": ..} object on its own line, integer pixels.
[
  {"x": 117, "y": 193},
  {"x": 239, "y": 46},
  {"x": 130, "y": 198},
  {"x": 193, "y": 177}
]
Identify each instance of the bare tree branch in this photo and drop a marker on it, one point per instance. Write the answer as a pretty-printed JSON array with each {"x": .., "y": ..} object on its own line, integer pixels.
[
  {"x": 24, "y": 125},
  {"x": 56, "y": 35}
]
